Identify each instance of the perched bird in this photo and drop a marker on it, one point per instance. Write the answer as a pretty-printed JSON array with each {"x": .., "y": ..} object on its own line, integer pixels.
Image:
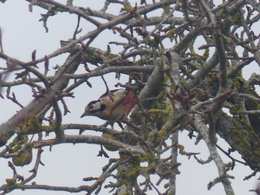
[{"x": 114, "y": 105}]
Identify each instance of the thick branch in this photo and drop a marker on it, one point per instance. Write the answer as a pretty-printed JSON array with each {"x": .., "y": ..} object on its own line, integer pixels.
[{"x": 35, "y": 107}]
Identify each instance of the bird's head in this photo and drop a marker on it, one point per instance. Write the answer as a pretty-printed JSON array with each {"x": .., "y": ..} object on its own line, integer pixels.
[
  {"x": 94, "y": 108},
  {"x": 114, "y": 105}
]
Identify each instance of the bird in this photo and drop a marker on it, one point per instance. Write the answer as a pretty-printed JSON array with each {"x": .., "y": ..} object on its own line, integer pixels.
[{"x": 112, "y": 106}]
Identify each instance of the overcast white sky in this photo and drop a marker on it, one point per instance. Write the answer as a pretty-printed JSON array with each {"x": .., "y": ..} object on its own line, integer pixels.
[{"x": 68, "y": 164}]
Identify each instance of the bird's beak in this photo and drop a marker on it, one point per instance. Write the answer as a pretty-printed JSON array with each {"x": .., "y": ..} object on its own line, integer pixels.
[{"x": 84, "y": 114}]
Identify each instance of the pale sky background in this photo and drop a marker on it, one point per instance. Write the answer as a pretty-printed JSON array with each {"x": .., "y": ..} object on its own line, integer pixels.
[{"x": 67, "y": 164}]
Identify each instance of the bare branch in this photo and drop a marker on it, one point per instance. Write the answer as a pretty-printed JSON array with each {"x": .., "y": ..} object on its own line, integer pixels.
[{"x": 204, "y": 132}]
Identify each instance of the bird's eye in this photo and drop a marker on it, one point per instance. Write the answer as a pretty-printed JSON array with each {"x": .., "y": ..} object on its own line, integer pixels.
[{"x": 94, "y": 106}]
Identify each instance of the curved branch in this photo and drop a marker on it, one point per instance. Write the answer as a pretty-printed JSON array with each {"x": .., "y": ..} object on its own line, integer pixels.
[{"x": 90, "y": 139}]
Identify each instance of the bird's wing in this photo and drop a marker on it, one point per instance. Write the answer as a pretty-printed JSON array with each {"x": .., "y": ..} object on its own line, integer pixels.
[{"x": 126, "y": 100}]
